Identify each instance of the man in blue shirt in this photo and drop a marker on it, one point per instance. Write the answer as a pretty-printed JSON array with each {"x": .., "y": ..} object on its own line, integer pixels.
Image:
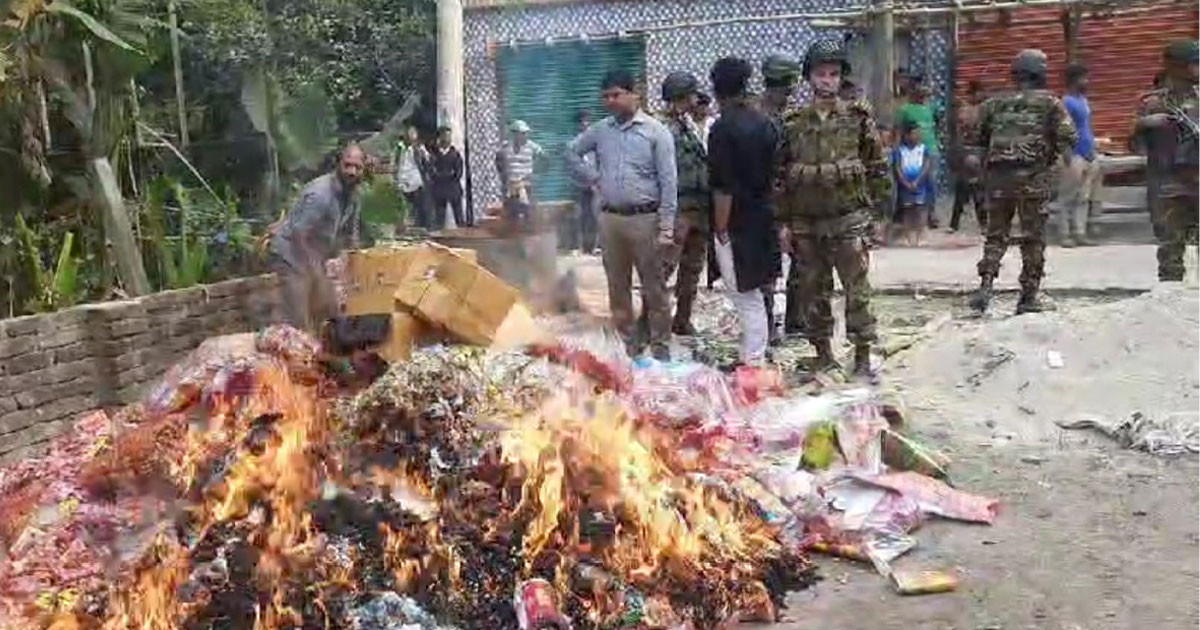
[{"x": 1081, "y": 177}]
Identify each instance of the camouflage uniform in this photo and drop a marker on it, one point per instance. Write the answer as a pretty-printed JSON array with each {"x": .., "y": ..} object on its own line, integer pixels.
[
  {"x": 1022, "y": 134},
  {"x": 834, "y": 170},
  {"x": 780, "y": 74},
  {"x": 691, "y": 224},
  {"x": 1172, "y": 159}
]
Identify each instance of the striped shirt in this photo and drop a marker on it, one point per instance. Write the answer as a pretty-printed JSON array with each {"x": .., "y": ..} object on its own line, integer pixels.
[{"x": 518, "y": 163}]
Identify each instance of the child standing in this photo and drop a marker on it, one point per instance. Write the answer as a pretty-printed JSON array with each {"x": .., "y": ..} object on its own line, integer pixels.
[{"x": 912, "y": 167}]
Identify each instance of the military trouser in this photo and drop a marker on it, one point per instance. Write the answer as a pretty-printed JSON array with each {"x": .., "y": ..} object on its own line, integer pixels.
[
  {"x": 1178, "y": 227},
  {"x": 818, "y": 256},
  {"x": 1032, "y": 212},
  {"x": 687, "y": 254}
]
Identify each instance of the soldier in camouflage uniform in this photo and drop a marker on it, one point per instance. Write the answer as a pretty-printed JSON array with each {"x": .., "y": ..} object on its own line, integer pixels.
[
  {"x": 781, "y": 74},
  {"x": 834, "y": 170},
  {"x": 1022, "y": 134},
  {"x": 1165, "y": 131},
  {"x": 680, "y": 90}
]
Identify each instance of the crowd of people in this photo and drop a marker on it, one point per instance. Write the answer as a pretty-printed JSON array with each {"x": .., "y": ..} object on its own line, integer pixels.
[{"x": 767, "y": 181}]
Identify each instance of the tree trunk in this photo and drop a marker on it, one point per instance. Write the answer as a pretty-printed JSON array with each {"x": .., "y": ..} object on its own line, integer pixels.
[
  {"x": 107, "y": 194},
  {"x": 177, "y": 62}
]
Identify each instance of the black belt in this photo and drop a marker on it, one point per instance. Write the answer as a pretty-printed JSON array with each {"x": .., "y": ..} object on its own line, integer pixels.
[{"x": 628, "y": 211}]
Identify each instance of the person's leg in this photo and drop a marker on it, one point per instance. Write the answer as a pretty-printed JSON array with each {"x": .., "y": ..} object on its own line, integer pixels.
[
  {"x": 647, "y": 257},
  {"x": 294, "y": 291},
  {"x": 977, "y": 200},
  {"x": 816, "y": 289},
  {"x": 1173, "y": 237},
  {"x": 852, "y": 257},
  {"x": 960, "y": 201},
  {"x": 587, "y": 221},
  {"x": 618, "y": 271},
  {"x": 456, "y": 205},
  {"x": 691, "y": 265},
  {"x": 1000, "y": 212},
  {"x": 1090, "y": 200},
  {"x": 931, "y": 191},
  {"x": 793, "y": 318},
  {"x": 418, "y": 203},
  {"x": 1032, "y": 213},
  {"x": 437, "y": 217},
  {"x": 752, "y": 317}
]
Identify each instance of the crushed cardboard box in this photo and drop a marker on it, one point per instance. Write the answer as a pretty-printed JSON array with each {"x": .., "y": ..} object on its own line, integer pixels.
[{"x": 455, "y": 294}]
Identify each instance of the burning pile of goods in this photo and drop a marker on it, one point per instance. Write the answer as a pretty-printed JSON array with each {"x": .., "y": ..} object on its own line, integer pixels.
[{"x": 267, "y": 484}]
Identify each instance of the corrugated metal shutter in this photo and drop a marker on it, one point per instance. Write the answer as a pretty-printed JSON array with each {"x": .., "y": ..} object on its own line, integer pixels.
[
  {"x": 1123, "y": 53},
  {"x": 547, "y": 85}
]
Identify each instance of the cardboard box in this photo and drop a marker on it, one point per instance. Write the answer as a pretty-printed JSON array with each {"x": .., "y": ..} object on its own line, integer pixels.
[
  {"x": 373, "y": 275},
  {"x": 406, "y": 331},
  {"x": 453, "y": 293}
]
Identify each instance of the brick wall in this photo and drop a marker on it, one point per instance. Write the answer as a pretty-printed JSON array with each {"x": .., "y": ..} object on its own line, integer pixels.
[{"x": 54, "y": 367}]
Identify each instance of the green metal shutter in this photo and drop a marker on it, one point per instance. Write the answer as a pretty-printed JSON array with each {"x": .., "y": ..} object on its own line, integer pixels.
[{"x": 547, "y": 85}]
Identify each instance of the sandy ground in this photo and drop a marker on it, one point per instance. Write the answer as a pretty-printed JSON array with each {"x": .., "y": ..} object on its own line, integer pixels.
[{"x": 1090, "y": 536}]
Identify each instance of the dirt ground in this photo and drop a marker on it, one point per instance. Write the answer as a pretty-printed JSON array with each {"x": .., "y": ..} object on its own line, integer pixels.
[{"x": 1090, "y": 536}]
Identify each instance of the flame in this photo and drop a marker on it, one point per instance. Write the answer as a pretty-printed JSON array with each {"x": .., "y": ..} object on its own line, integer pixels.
[
  {"x": 151, "y": 603},
  {"x": 665, "y": 520}
]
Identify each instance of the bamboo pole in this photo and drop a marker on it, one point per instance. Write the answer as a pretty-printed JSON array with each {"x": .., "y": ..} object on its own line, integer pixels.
[{"x": 177, "y": 62}]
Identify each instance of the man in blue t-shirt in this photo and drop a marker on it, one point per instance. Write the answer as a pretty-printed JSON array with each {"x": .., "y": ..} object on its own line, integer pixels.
[{"x": 1081, "y": 177}]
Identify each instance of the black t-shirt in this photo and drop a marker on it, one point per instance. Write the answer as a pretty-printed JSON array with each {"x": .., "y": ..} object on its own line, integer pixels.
[{"x": 742, "y": 154}]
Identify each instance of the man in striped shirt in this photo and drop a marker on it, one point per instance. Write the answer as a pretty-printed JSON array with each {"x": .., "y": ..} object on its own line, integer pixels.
[{"x": 517, "y": 162}]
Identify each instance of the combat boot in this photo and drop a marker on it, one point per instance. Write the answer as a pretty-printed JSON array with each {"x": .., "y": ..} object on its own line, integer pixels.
[
  {"x": 1031, "y": 302},
  {"x": 825, "y": 359},
  {"x": 682, "y": 325},
  {"x": 983, "y": 297}
]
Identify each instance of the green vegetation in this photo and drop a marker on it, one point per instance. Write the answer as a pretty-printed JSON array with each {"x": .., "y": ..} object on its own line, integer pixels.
[{"x": 114, "y": 185}]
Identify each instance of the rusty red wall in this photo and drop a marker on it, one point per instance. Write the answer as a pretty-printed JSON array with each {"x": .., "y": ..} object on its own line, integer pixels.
[{"x": 1122, "y": 51}]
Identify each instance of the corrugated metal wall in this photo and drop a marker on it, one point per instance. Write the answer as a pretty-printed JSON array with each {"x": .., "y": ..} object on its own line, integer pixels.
[{"x": 1122, "y": 51}]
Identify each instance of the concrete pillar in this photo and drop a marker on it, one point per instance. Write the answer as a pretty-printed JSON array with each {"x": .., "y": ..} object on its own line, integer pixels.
[
  {"x": 884, "y": 54},
  {"x": 450, "y": 95}
]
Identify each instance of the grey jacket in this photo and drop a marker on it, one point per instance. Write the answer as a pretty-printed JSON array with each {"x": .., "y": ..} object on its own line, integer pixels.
[{"x": 323, "y": 221}]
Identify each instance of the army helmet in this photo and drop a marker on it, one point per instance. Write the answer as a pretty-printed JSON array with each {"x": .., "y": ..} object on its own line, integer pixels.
[
  {"x": 1031, "y": 62},
  {"x": 780, "y": 69},
  {"x": 826, "y": 50},
  {"x": 679, "y": 84},
  {"x": 1181, "y": 52}
]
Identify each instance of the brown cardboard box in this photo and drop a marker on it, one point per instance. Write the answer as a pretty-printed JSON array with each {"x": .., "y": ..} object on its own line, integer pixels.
[
  {"x": 373, "y": 275},
  {"x": 452, "y": 292},
  {"x": 406, "y": 331}
]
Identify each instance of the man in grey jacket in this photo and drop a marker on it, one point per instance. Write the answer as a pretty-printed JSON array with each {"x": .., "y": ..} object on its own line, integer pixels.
[
  {"x": 636, "y": 178},
  {"x": 324, "y": 219}
]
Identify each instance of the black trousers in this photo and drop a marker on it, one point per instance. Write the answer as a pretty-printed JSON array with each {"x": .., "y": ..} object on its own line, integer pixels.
[{"x": 455, "y": 201}]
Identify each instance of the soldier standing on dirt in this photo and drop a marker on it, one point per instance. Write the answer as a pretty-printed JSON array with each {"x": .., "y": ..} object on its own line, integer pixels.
[
  {"x": 1023, "y": 133},
  {"x": 780, "y": 74},
  {"x": 834, "y": 171},
  {"x": 690, "y": 248},
  {"x": 1166, "y": 132}
]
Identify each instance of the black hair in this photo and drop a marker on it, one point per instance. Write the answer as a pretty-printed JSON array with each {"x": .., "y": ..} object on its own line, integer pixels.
[
  {"x": 617, "y": 79},
  {"x": 729, "y": 76},
  {"x": 583, "y": 115},
  {"x": 703, "y": 98},
  {"x": 443, "y": 129},
  {"x": 1075, "y": 72},
  {"x": 974, "y": 86},
  {"x": 908, "y": 125}
]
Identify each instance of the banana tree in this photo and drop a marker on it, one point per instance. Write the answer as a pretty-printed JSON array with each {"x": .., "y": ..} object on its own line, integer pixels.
[{"x": 85, "y": 54}]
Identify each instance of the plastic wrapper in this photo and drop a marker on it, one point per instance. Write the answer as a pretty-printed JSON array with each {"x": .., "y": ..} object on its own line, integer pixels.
[
  {"x": 225, "y": 368},
  {"x": 903, "y": 453},
  {"x": 753, "y": 384},
  {"x": 678, "y": 394},
  {"x": 935, "y": 497}
]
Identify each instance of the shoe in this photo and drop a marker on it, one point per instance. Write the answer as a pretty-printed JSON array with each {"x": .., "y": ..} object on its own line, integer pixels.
[
  {"x": 1030, "y": 302},
  {"x": 862, "y": 360},
  {"x": 1069, "y": 242},
  {"x": 661, "y": 354},
  {"x": 683, "y": 329},
  {"x": 983, "y": 297},
  {"x": 1084, "y": 241},
  {"x": 824, "y": 360}
]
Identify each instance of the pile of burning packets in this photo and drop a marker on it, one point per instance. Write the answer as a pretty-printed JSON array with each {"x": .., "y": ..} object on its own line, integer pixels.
[{"x": 560, "y": 486}]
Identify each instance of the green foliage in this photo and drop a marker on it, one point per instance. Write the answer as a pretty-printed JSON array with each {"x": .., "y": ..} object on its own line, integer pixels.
[
  {"x": 382, "y": 207},
  {"x": 190, "y": 239},
  {"x": 57, "y": 288}
]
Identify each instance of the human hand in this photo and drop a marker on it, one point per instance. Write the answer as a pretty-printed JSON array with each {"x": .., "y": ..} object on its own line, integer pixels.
[
  {"x": 785, "y": 240},
  {"x": 723, "y": 237}
]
